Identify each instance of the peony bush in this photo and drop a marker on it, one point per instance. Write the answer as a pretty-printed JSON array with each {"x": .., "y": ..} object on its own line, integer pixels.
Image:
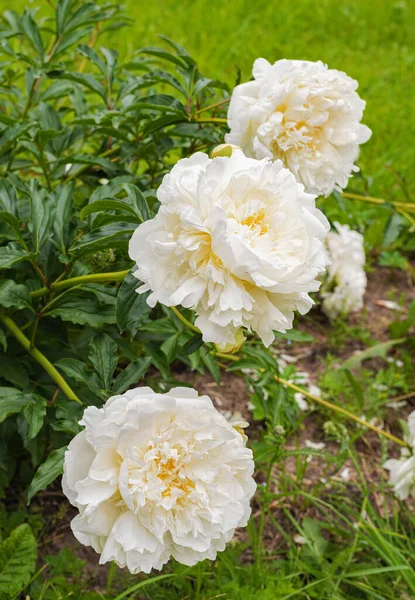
[{"x": 140, "y": 239}]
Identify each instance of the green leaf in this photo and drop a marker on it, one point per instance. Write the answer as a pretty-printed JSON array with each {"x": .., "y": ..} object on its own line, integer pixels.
[
  {"x": 13, "y": 371},
  {"x": 192, "y": 345},
  {"x": 8, "y": 199},
  {"x": 356, "y": 388},
  {"x": 18, "y": 555},
  {"x": 32, "y": 32},
  {"x": 376, "y": 351},
  {"x": 42, "y": 217},
  {"x": 10, "y": 220},
  {"x": 92, "y": 56},
  {"x": 138, "y": 201},
  {"x": 47, "y": 472},
  {"x": 3, "y": 340},
  {"x": 103, "y": 356},
  {"x": 212, "y": 366},
  {"x": 78, "y": 371},
  {"x": 105, "y": 205},
  {"x": 115, "y": 235},
  {"x": 393, "y": 228},
  {"x": 83, "y": 310},
  {"x": 132, "y": 308},
  {"x": 64, "y": 203},
  {"x": 12, "y": 401},
  {"x": 131, "y": 375},
  {"x": 159, "y": 53},
  {"x": 169, "y": 347},
  {"x": 11, "y": 254},
  {"x": 87, "y": 81},
  {"x": 62, "y": 13},
  {"x": 14, "y": 295},
  {"x": 35, "y": 413}
]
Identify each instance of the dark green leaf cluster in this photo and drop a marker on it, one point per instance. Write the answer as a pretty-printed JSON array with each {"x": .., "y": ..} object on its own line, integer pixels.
[{"x": 85, "y": 140}]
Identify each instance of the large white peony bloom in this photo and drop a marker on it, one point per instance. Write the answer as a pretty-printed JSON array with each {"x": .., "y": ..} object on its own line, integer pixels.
[
  {"x": 304, "y": 114},
  {"x": 235, "y": 239},
  {"x": 345, "y": 286},
  {"x": 155, "y": 476}
]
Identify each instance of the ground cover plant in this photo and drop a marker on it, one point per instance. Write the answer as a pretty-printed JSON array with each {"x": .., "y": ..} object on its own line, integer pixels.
[{"x": 86, "y": 139}]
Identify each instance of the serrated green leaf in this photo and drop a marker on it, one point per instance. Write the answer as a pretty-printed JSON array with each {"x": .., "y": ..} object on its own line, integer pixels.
[
  {"x": 8, "y": 199},
  {"x": 42, "y": 216},
  {"x": 132, "y": 308},
  {"x": 115, "y": 235},
  {"x": 63, "y": 195},
  {"x": 18, "y": 555},
  {"x": 14, "y": 295},
  {"x": 83, "y": 310},
  {"x": 104, "y": 205},
  {"x": 131, "y": 375},
  {"x": 32, "y": 32},
  {"x": 12, "y": 370},
  {"x": 12, "y": 401},
  {"x": 103, "y": 356},
  {"x": 47, "y": 472},
  {"x": 11, "y": 254},
  {"x": 35, "y": 413},
  {"x": 87, "y": 81},
  {"x": 78, "y": 371},
  {"x": 138, "y": 201},
  {"x": 62, "y": 13}
]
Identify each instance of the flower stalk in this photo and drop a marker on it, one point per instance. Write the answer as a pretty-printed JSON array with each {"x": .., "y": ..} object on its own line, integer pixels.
[
  {"x": 81, "y": 280},
  {"x": 408, "y": 206},
  {"x": 327, "y": 404},
  {"x": 39, "y": 357}
]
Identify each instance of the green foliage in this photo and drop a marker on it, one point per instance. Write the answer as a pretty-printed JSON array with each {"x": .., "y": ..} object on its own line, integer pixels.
[
  {"x": 17, "y": 560},
  {"x": 85, "y": 139},
  {"x": 86, "y": 136}
]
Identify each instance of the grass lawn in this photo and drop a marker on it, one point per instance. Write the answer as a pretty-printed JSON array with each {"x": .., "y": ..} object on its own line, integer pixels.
[{"x": 371, "y": 40}]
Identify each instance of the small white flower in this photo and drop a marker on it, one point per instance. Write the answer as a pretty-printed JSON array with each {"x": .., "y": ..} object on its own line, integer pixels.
[
  {"x": 155, "y": 476},
  {"x": 315, "y": 445},
  {"x": 345, "y": 286},
  {"x": 299, "y": 539},
  {"x": 235, "y": 239},
  {"x": 304, "y": 114}
]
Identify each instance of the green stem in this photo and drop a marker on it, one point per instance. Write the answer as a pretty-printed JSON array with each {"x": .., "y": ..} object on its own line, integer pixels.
[
  {"x": 408, "y": 206},
  {"x": 184, "y": 320},
  {"x": 81, "y": 280},
  {"x": 327, "y": 404},
  {"x": 211, "y": 120},
  {"x": 212, "y": 106},
  {"x": 39, "y": 357}
]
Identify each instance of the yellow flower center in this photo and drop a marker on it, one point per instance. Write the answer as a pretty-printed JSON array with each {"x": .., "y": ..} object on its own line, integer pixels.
[{"x": 256, "y": 221}]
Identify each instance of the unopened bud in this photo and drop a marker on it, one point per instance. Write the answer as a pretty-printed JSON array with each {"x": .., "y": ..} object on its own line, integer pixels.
[
  {"x": 232, "y": 347},
  {"x": 223, "y": 150}
]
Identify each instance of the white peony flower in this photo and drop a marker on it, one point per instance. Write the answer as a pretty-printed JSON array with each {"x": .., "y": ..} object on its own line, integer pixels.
[
  {"x": 402, "y": 475},
  {"x": 304, "y": 114},
  {"x": 345, "y": 286},
  {"x": 235, "y": 239},
  {"x": 155, "y": 476},
  {"x": 402, "y": 470}
]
